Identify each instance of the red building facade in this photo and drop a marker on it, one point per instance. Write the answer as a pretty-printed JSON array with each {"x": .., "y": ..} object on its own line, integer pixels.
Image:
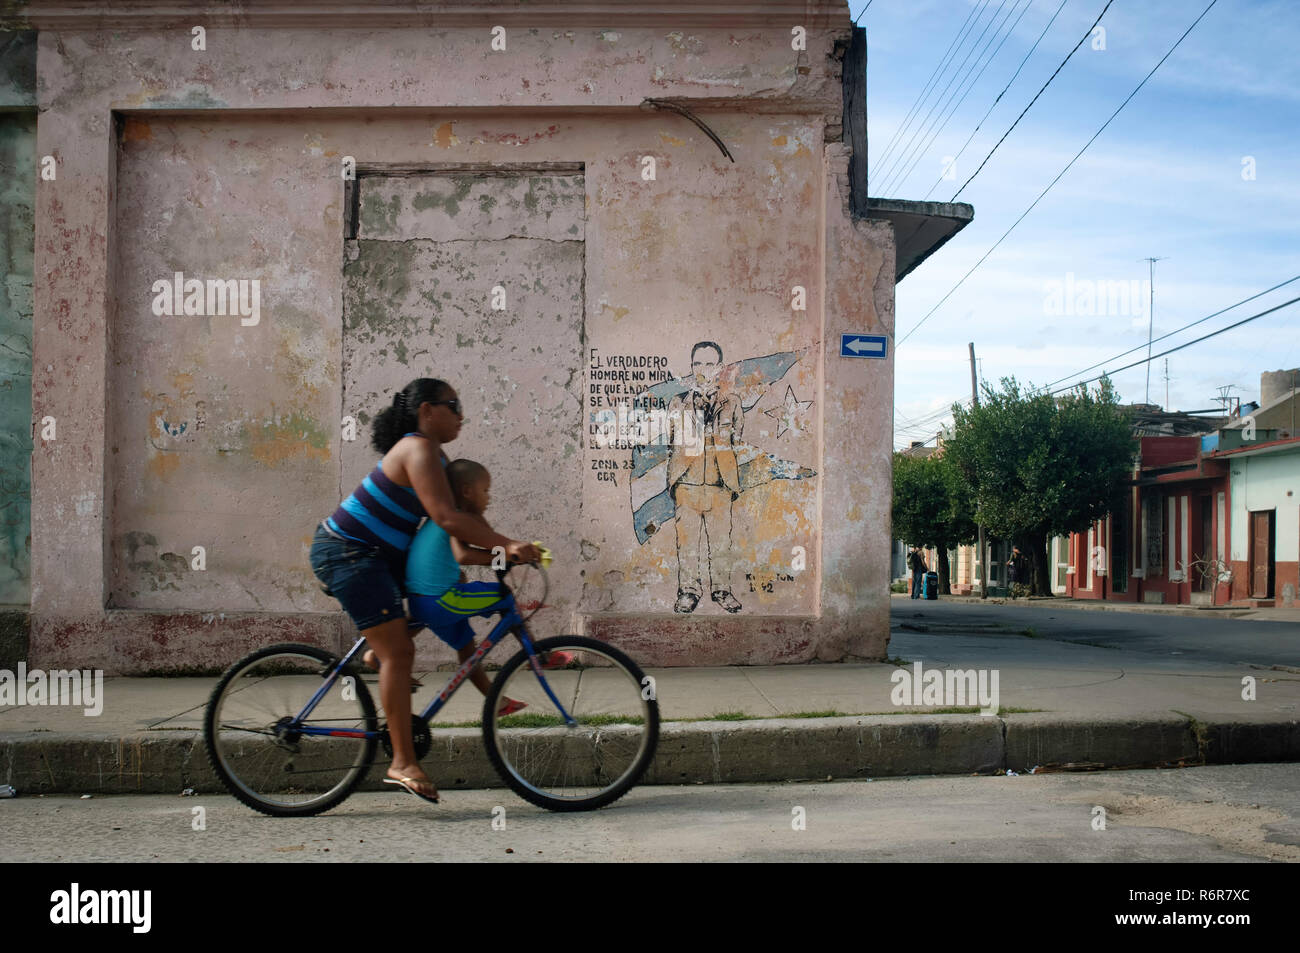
[{"x": 1170, "y": 542}]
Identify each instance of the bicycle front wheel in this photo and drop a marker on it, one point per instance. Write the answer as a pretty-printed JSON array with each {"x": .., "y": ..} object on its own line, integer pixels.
[
  {"x": 254, "y": 738},
  {"x": 595, "y": 756}
]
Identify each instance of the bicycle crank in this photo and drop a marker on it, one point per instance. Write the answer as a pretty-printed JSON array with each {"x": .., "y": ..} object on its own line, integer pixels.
[{"x": 421, "y": 738}]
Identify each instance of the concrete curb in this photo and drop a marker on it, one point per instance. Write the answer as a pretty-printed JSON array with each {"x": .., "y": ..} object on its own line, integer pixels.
[{"x": 710, "y": 752}]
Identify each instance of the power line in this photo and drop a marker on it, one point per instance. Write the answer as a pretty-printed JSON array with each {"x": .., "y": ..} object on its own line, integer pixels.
[
  {"x": 1001, "y": 94},
  {"x": 947, "y": 113},
  {"x": 925, "y": 91},
  {"x": 1040, "y": 92},
  {"x": 931, "y": 422},
  {"x": 1058, "y": 175},
  {"x": 900, "y": 161},
  {"x": 938, "y": 70},
  {"x": 1281, "y": 284},
  {"x": 860, "y": 12},
  {"x": 926, "y": 419},
  {"x": 1198, "y": 340}
]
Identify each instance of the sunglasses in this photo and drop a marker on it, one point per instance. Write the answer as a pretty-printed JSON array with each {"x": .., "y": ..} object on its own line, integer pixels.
[{"x": 453, "y": 405}]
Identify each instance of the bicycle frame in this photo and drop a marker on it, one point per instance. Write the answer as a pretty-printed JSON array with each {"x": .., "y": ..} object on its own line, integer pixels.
[{"x": 510, "y": 621}]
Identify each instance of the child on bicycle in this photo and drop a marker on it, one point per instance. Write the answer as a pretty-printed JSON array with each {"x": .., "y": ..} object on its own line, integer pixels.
[{"x": 440, "y": 598}]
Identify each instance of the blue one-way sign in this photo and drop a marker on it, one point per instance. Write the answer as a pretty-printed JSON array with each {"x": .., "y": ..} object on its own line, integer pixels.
[{"x": 863, "y": 345}]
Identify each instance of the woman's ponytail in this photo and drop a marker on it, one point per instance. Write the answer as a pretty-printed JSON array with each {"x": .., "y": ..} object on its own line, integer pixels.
[{"x": 402, "y": 416}]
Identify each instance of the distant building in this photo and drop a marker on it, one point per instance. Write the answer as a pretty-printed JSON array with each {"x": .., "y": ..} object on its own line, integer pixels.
[{"x": 1209, "y": 519}]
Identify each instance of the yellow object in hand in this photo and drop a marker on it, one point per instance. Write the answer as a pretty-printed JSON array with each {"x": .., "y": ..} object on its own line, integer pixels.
[{"x": 546, "y": 554}]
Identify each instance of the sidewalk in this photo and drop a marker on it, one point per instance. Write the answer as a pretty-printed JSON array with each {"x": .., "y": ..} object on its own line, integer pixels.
[{"x": 1087, "y": 707}]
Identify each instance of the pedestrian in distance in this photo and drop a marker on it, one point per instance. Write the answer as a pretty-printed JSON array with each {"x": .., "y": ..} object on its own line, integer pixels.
[
  {"x": 1015, "y": 570},
  {"x": 916, "y": 563}
]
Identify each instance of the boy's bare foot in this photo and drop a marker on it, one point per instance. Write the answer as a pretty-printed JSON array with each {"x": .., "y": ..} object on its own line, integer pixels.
[{"x": 414, "y": 780}]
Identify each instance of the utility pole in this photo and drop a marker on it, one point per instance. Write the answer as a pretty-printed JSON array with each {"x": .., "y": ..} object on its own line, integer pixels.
[
  {"x": 1151, "y": 317},
  {"x": 981, "y": 564},
  {"x": 1166, "y": 385}
]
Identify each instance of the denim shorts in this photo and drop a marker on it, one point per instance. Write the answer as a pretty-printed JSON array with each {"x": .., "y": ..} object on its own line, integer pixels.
[{"x": 367, "y": 583}]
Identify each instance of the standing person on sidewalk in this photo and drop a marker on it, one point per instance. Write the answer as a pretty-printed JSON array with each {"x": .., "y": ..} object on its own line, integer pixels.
[
  {"x": 1015, "y": 570},
  {"x": 916, "y": 563}
]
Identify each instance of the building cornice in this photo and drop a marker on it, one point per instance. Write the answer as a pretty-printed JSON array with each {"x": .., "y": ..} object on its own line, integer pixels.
[{"x": 153, "y": 15}]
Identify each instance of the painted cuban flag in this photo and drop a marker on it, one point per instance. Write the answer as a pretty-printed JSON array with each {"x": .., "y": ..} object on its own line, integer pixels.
[{"x": 748, "y": 380}]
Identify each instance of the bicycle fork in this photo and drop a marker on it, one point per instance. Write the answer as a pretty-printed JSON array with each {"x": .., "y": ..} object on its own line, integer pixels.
[{"x": 522, "y": 634}]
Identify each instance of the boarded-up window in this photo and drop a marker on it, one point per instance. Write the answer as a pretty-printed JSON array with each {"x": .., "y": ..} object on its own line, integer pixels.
[{"x": 477, "y": 279}]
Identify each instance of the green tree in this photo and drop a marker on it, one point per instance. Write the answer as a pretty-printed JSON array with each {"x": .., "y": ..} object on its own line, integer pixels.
[
  {"x": 1040, "y": 466},
  {"x": 931, "y": 507}
]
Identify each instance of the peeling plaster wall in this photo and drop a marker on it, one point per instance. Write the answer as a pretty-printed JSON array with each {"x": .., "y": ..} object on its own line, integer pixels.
[
  {"x": 228, "y": 436},
  {"x": 222, "y": 435},
  {"x": 17, "y": 203}
]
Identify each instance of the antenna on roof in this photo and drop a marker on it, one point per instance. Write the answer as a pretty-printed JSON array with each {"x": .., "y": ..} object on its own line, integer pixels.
[{"x": 1225, "y": 397}]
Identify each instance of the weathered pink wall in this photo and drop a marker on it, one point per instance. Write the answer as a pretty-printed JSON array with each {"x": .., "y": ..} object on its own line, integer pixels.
[{"x": 226, "y": 164}]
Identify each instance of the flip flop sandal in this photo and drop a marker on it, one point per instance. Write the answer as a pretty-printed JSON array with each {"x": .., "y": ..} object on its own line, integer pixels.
[
  {"x": 406, "y": 784},
  {"x": 511, "y": 706},
  {"x": 557, "y": 660}
]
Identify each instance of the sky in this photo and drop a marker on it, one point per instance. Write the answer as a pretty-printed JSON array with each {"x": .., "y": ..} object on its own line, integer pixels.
[{"x": 1170, "y": 177}]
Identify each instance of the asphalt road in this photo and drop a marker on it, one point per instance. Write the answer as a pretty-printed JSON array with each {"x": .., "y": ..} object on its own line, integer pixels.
[
  {"x": 1214, "y": 639},
  {"x": 1209, "y": 814}
]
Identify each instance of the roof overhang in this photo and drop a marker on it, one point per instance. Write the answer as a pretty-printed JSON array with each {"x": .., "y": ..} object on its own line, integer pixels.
[
  {"x": 920, "y": 228},
  {"x": 1273, "y": 446}
]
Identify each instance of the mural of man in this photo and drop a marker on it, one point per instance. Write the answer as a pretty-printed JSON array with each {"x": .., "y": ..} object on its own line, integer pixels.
[{"x": 704, "y": 481}]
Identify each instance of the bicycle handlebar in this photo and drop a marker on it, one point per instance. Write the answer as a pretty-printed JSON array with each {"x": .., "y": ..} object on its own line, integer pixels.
[{"x": 544, "y": 560}]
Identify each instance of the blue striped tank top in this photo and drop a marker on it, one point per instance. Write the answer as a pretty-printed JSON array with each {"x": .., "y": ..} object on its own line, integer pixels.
[{"x": 380, "y": 512}]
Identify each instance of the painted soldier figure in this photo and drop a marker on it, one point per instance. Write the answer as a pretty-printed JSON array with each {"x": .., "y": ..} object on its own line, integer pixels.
[{"x": 704, "y": 483}]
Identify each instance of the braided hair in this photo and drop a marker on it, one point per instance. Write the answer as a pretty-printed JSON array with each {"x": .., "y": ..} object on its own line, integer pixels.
[{"x": 403, "y": 415}]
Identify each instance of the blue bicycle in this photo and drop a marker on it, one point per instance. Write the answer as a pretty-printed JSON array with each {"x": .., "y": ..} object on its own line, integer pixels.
[{"x": 291, "y": 729}]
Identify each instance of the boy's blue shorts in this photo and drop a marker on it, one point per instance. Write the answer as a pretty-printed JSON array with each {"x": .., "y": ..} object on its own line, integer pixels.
[{"x": 448, "y": 615}]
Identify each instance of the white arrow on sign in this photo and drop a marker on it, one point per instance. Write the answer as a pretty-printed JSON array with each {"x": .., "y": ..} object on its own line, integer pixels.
[{"x": 857, "y": 347}]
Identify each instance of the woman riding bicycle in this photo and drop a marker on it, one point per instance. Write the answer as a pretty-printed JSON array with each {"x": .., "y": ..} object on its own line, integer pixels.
[{"x": 359, "y": 552}]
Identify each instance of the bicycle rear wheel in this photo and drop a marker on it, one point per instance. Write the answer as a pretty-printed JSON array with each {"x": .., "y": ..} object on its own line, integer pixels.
[
  {"x": 586, "y": 763},
  {"x": 249, "y": 730}
]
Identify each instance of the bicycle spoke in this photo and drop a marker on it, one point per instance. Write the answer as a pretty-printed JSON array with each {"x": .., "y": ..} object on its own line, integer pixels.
[
  {"x": 594, "y": 758},
  {"x": 253, "y": 739}
]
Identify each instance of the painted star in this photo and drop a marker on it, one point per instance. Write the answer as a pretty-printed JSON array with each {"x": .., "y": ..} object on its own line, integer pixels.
[{"x": 790, "y": 414}]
